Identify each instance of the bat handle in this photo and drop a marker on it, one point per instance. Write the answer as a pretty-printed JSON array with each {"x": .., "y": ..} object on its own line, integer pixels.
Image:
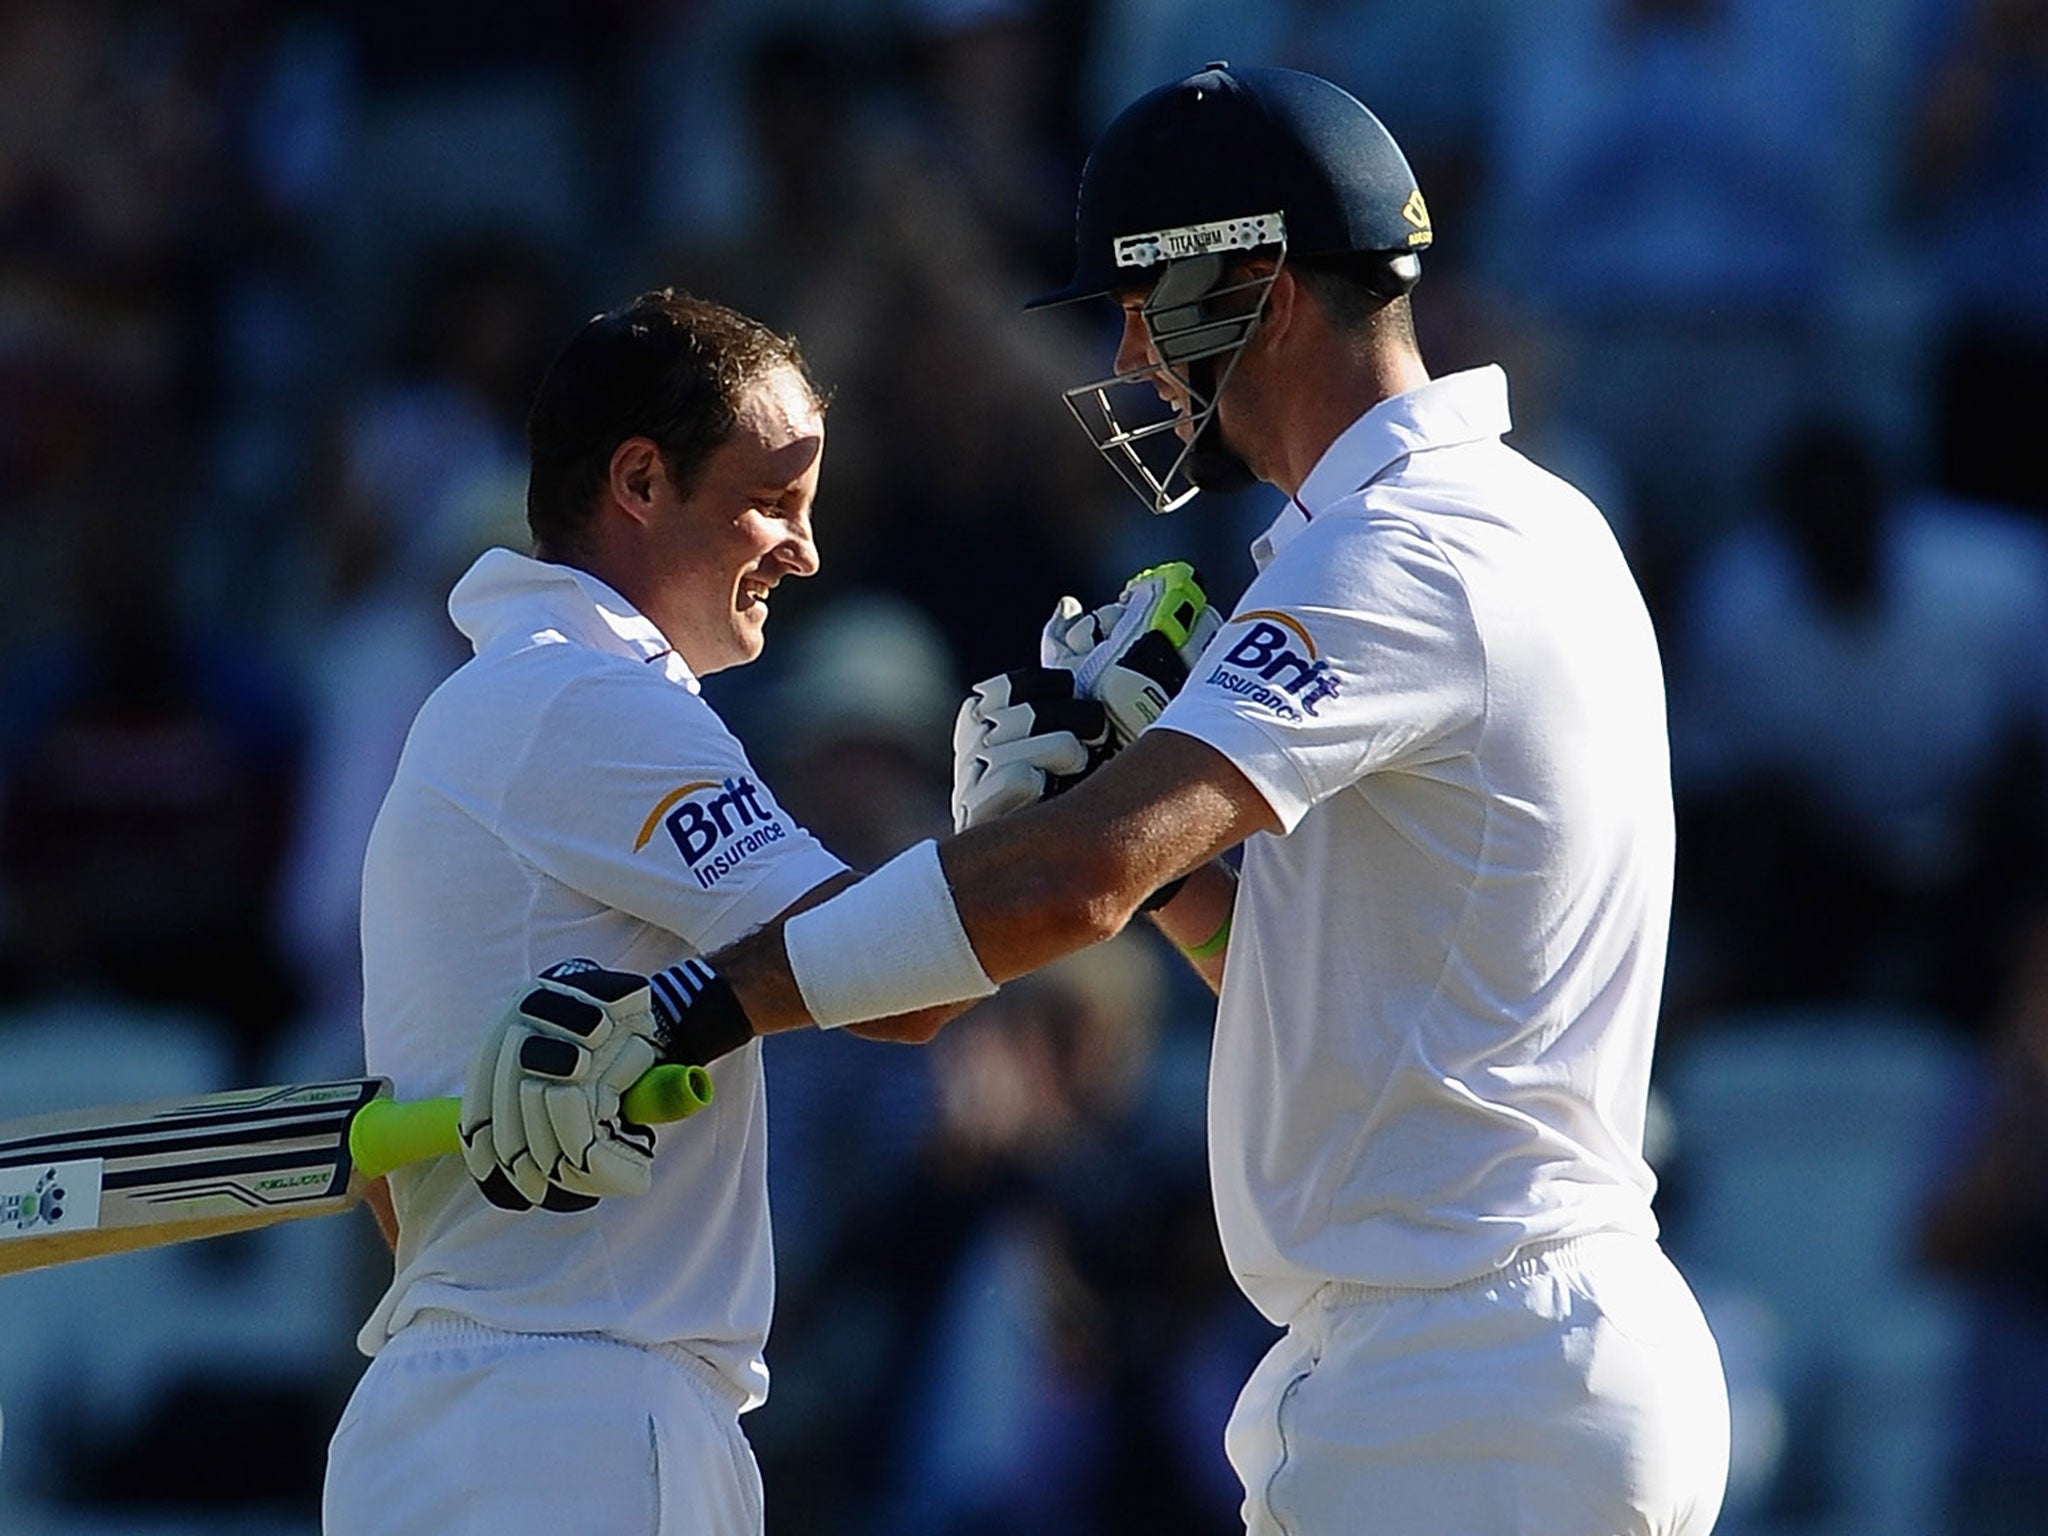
[{"x": 387, "y": 1134}]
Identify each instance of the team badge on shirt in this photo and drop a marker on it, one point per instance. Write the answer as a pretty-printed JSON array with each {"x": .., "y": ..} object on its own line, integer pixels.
[
  {"x": 1270, "y": 658},
  {"x": 715, "y": 824}
]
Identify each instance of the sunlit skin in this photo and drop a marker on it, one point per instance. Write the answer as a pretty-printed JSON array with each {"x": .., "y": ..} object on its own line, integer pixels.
[
  {"x": 702, "y": 564},
  {"x": 1136, "y": 354},
  {"x": 1298, "y": 382}
]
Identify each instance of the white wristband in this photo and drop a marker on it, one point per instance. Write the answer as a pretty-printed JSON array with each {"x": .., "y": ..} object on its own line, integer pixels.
[{"x": 888, "y": 945}]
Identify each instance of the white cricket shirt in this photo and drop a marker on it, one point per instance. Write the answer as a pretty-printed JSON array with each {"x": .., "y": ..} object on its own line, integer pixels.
[
  {"x": 1434, "y": 1035},
  {"x": 567, "y": 793}
]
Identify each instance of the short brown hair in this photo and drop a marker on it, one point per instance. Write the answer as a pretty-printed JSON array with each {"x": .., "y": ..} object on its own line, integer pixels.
[
  {"x": 668, "y": 367},
  {"x": 1352, "y": 288}
]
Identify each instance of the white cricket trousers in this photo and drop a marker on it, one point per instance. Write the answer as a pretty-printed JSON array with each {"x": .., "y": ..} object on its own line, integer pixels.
[
  {"x": 1575, "y": 1393},
  {"x": 460, "y": 1430}
]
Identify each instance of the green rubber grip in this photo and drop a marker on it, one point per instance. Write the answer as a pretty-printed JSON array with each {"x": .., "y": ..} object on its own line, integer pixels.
[
  {"x": 386, "y": 1134},
  {"x": 1179, "y": 602}
]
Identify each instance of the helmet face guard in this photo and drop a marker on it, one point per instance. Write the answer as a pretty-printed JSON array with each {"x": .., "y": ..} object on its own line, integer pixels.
[{"x": 1198, "y": 321}]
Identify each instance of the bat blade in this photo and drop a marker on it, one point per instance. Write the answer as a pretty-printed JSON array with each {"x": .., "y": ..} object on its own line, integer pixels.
[{"x": 88, "y": 1182}]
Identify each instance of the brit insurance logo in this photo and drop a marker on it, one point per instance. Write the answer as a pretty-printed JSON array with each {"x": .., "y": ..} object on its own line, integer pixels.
[
  {"x": 1274, "y": 663},
  {"x": 716, "y": 825}
]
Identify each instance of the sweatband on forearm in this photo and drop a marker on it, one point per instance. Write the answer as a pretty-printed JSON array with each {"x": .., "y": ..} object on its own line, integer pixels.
[{"x": 888, "y": 945}]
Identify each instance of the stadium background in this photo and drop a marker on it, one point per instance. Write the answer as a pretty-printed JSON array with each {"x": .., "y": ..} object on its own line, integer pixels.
[{"x": 1770, "y": 279}]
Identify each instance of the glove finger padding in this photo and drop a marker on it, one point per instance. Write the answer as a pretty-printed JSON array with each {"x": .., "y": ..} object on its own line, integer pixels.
[
  {"x": 479, "y": 1148},
  {"x": 597, "y": 1156},
  {"x": 1021, "y": 738},
  {"x": 540, "y": 1118}
]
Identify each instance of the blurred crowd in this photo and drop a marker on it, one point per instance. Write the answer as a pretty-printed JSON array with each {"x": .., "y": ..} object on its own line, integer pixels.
[{"x": 1770, "y": 281}]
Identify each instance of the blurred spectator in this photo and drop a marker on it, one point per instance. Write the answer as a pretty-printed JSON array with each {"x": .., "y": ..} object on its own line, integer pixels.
[
  {"x": 1026, "y": 1326},
  {"x": 1858, "y": 727},
  {"x": 1428, "y": 69},
  {"x": 1660, "y": 180},
  {"x": 988, "y": 78},
  {"x": 105, "y": 162},
  {"x": 1988, "y": 1228},
  {"x": 904, "y": 272},
  {"x": 859, "y": 722},
  {"x": 1980, "y": 159},
  {"x": 1135, "y": 45},
  {"x": 855, "y": 732},
  {"x": 1978, "y": 201},
  {"x": 471, "y": 122},
  {"x": 430, "y": 472},
  {"x": 149, "y": 771},
  {"x": 704, "y": 87}
]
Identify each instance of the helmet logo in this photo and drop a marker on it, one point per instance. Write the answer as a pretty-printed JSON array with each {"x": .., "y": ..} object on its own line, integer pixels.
[
  {"x": 1194, "y": 239},
  {"x": 1416, "y": 212}
]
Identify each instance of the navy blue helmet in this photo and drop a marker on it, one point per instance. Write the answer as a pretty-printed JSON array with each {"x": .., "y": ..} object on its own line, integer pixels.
[{"x": 1211, "y": 170}]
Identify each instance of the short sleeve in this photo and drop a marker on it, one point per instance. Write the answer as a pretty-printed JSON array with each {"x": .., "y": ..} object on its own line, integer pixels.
[
  {"x": 1354, "y": 652},
  {"x": 634, "y": 793}
]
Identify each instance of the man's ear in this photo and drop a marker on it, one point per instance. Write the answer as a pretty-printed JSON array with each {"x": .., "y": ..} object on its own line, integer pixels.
[
  {"x": 634, "y": 476},
  {"x": 1279, "y": 315}
]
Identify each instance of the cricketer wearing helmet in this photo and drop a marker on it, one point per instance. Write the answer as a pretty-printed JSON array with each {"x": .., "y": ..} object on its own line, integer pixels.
[{"x": 1434, "y": 726}]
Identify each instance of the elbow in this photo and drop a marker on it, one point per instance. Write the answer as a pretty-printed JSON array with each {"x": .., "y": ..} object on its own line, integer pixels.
[
  {"x": 1089, "y": 904},
  {"x": 923, "y": 1027}
]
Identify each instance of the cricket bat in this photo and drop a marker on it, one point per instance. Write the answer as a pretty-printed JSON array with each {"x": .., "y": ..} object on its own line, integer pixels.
[{"x": 92, "y": 1181}]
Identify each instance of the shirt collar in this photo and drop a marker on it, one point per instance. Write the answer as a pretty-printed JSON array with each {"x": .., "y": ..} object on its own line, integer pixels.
[
  {"x": 508, "y": 594},
  {"x": 1465, "y": 407}
]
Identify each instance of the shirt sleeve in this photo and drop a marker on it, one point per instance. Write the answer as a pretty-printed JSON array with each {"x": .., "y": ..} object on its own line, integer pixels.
[
  {"x": 1354, "y": 652},
  {"x": 635, "y": 793}
]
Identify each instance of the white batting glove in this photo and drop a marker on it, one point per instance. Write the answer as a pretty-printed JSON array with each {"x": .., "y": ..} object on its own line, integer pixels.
[
  {"x": 1073, "y": 632},
  {"x": 540, "y": 1119},
  {"x": 1021, "y": 738},
  {"x": 1133, "y": 654}
]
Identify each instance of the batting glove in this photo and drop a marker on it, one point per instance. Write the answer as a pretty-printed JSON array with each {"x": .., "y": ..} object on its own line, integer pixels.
[
  {"x": 1134, "y": 654},
  {"x": 540, "y": 1114},
  {"x": 1022, "y": 738}
]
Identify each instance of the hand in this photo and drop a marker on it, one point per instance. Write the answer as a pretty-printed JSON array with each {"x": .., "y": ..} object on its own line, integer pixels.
[
  {"x": 540, "y": 1121},
  {"x": 1135, "y": 653},
  {"x": 1021, "y": 738}
]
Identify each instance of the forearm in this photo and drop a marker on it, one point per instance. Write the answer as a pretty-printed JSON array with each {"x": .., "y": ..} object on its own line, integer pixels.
[
  {"x": 910, "y": 1028},
  {"x": 1017, "y": 902},
  {"x": 1197, "y": 921},
  {"x": 1033, "y": 887}
]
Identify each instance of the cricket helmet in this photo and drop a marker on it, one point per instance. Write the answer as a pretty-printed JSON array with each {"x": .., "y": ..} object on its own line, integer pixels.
[{"x": 1222, "y": 166}]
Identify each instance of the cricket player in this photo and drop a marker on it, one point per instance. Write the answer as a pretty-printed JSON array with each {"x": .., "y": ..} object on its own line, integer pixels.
[
  {"x": 568, "y": 795},
  {"x": 1435, "y": 727}
]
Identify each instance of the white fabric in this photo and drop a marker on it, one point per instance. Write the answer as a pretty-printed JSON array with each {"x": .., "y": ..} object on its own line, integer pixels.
[
  {"x": 1578, "y": 1391},
  {"x": 1434, "y": 1036},
  {"x": 566, "y": 793},
  {"x": 890, "y": 944},
  {"x": 538, "y": 1435}
]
